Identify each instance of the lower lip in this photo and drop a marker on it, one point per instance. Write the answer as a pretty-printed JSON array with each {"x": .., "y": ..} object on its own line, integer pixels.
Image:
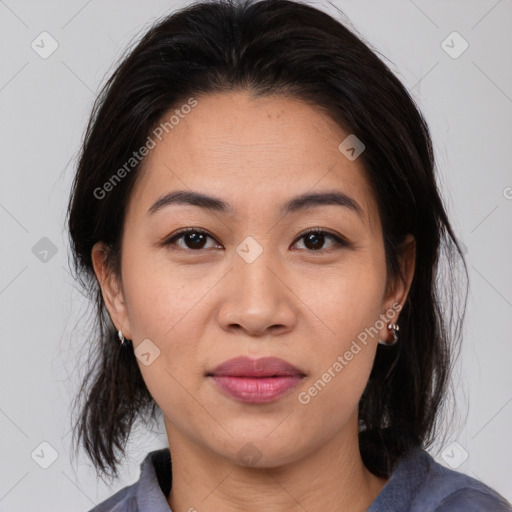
[{"x": 257, "y": 390}]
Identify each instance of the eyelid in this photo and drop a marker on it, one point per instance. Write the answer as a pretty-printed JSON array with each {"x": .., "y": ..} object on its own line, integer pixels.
[
  {"x": 169, "y": 240},
  {"x": 339, "y": 240}
]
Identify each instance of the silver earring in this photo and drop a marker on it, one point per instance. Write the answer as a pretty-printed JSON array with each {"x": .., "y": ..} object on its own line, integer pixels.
[
  {"x": 121, "y": 337},
  {"x": 394, "y": 328}
]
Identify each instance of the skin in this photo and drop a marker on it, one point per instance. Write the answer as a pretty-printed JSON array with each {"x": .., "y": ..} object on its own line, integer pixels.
[{"x": 201, "y": 307}]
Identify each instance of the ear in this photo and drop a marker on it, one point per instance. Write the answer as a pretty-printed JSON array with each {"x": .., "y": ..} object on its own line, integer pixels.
[
  {"x": 399, "y": 288},
  {"x": 111, "y": 289}
]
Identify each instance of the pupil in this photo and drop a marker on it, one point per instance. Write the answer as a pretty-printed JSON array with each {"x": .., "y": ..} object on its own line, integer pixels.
[
  {"x": 196, "y": 239},
  {"x": 316, "y": 239}
]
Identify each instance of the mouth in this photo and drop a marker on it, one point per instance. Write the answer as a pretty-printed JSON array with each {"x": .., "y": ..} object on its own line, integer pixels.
[{"x": 256, "y": 380}]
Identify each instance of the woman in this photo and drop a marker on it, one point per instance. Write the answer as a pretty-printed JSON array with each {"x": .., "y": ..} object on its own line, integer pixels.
[{"x": 255, "y": 209}]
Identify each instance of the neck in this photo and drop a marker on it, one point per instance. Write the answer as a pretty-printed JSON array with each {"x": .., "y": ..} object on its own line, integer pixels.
[{"x": 332, "y": 477}]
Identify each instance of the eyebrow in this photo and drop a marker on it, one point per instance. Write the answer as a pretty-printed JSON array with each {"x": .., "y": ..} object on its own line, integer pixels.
[{"x": 299, "y": 203}]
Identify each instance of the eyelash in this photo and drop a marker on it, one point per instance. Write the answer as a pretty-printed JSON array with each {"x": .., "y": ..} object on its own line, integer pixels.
[{"x": 339, "y": 241}]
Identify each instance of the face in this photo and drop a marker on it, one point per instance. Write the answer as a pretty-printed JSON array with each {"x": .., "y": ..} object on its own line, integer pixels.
[{"x": 252, "y": 279}]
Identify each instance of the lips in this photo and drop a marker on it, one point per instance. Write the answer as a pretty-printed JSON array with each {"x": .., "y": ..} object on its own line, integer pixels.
[
  {"x": 256, "y": 381},
  {"x": 262, "y": 367}
]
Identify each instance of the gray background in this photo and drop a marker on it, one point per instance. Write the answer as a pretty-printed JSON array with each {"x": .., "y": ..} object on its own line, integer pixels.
[{"x": 44, "y": 106}]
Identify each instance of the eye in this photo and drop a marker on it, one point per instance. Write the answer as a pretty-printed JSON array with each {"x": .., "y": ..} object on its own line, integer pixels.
[
  {"x": 196, "y": 239},
  {"x": 314, "y": 239},
  {"x": 193, "y": 239}
]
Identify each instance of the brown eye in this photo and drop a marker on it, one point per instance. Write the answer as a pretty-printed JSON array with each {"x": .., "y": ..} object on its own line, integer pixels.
[
  {"x": 314, "y": 240},
  {"x": 195, "y": 239},
  {"x": 192, "y": 239}
]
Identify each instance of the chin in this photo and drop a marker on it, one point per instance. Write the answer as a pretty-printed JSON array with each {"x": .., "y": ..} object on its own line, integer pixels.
[{"x": 260, "y": 451}]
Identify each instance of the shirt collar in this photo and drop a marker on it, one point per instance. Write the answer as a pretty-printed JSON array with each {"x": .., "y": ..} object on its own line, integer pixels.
[
  {"x": 408, "y": 475},
  {"x": 155, "y": 482}
]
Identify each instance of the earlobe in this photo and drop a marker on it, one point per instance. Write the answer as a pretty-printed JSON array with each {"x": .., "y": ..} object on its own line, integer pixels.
[{"x": 111, "y": 289}]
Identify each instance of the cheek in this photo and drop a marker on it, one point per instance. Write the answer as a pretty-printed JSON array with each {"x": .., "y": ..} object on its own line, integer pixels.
[
  {"x": 166, "y": 306},
  {"x": 349, "y": 302},
  {"x": 349, "y": 307},
  {"x": 158, "y": 296},
  {"x": 162, "y": 309}
]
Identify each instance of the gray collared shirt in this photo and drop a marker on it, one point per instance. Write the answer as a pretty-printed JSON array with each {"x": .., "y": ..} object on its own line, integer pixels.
[{"x": 418, "y": 484}]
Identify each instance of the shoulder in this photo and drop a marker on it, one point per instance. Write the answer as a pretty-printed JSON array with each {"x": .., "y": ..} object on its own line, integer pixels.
[
  {"x": 420, "y": 484},
  {"x": 446, "y": 490},
  {"x": 122, "y": 501},
  {"x": 473, "y": 500}
]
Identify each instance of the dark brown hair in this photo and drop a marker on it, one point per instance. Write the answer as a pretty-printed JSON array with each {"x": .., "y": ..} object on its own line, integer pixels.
[{"x": 274, "y": 47}]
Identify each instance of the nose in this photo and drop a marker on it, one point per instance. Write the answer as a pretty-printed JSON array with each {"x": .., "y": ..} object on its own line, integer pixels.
[{"x": 257, "y": 300}]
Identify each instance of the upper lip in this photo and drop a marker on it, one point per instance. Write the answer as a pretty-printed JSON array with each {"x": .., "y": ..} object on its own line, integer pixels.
[{"x": 262, "y": 367}]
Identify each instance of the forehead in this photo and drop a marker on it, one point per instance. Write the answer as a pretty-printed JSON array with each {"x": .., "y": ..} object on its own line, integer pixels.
[{"x": 252, "y": 152}]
